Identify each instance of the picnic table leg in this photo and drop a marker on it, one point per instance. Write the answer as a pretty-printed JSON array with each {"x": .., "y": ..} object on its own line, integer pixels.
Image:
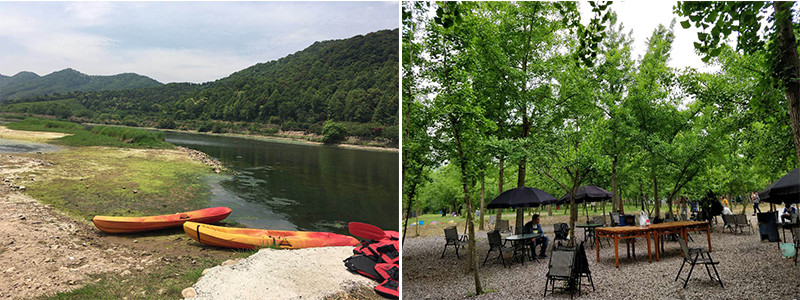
[
  {"x": 655, "y": 239},
  {"x": 708, "y": 236},
  {"x": 616, "y": 251},
  {"x": 597, "y": 248},
  {"x": 628, "y": 247},
  {"x": 650, "y": 257}
]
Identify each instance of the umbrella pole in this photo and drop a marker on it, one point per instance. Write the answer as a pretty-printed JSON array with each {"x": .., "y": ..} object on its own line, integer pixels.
[{"x": 586, "y": 208}]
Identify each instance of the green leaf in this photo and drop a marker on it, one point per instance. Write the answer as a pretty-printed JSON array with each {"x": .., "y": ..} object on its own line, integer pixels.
[
  {"x": 685, "y": 24},
  {"x": 715, "y": 51}
]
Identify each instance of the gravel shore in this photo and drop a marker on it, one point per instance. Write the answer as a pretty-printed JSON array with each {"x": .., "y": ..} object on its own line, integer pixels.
[{"x": 749, "y": 268}]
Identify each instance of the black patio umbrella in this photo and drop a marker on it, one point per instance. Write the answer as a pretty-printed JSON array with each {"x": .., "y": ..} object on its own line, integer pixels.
[
  {"x": 522, "y": 197},
  {"x": 784, "y": 190},
  {"x": 587, "y": 193}
]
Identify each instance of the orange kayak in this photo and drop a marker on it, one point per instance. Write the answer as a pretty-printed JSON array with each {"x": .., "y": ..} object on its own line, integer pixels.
[
  {"x": 249, "y": 238},
  {"x": 137, "y": 224}
]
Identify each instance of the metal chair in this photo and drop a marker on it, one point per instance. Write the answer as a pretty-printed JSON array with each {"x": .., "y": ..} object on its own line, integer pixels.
[
  {"x": 502, "y": 226},
  {"x": 614, "y": 218},
  {"x": 702, "y": 257},
  {"x": 728, "y": 221},
  {"x": 561, "y": 231},
  {"x": 582, "y": 266},
  {"x": 453, "y": 239},
  {"x": 496, "y": 243},
  {"x": 561, "y": 268},
  {"x": 740, "y": 222}
]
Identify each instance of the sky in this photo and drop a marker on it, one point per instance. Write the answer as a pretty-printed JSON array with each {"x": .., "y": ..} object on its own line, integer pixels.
[
  {"x": 643, "y": 17},
  {"x": 174, "y": 41}
]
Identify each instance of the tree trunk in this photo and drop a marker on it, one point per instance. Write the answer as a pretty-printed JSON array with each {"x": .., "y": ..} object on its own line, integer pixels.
[
  {"x": 657, "y": 203},
  {"x": 500, "y": 187},
  {"x": 471, "y": 261},
  {"x": 520, "y": 183},
  {"x": 573, "y": 215},
  {"x": 616, "y": 201},
  {"x": 483, "y": 201},
  {"x": 788, "y": 66}
]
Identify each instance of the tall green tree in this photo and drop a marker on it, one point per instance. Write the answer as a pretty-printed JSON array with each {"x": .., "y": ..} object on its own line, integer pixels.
[{"x": 720, "y": 19}]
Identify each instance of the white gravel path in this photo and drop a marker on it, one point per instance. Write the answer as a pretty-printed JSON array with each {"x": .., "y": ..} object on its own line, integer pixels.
[
  {"x": 281, "y": 274},
  {"x": 750, "y": 269}
]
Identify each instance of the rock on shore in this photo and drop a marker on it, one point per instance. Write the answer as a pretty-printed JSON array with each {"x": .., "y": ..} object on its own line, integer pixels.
[{"x": 280, "y": 274}]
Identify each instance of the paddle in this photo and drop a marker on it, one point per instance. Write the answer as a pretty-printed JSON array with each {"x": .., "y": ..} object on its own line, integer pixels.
[{"x": 367, "y": 231}]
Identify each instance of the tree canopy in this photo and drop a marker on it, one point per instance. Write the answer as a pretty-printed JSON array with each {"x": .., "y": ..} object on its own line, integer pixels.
[{"x": 521, "y": 90}]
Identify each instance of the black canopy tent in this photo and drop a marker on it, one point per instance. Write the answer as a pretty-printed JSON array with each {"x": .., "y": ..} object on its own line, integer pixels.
[
  {"x": 585, "y": 194},
  {"x": 784, "y": 190},
  {"x": 522, "y": 197}
]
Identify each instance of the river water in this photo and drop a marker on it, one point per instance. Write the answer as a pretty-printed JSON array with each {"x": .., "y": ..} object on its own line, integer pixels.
[{"x": 300, "y": 187}]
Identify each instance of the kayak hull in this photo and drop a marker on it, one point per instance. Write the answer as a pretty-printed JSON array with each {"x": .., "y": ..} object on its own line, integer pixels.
[
  {"x": 250, "y": 238},
  {"x": 139, "y": 224}
]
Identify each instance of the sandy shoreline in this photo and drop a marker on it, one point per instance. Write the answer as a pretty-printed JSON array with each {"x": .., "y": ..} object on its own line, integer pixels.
[{"x": 46, "y": 251}]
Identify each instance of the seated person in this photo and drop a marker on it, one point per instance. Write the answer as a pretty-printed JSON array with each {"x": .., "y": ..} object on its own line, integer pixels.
[
  {"x": 726, "y": 211},
  {"x": 533, "y": 226},
  {"x": 787, "y": 213}
]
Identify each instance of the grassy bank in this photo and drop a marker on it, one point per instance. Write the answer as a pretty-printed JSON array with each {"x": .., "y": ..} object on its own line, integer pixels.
[
  {"x": 90, "y": 181},
  {"x": 80, "y": 136}
]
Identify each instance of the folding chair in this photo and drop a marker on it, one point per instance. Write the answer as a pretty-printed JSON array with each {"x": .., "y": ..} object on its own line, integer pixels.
[
  {"x": 614, "y": 219},
  {"x": 728, "y": 221},
  {"x": 561, "y": 268},
  {"x": 496, "y": 244},
  {"x": 561, "y": 231},
  {"x": 502, "y": 226},
  {"x": 582, "y": 266},
  {"x": 740, "y": 221},
  {"x": 700, "y": 257},
  {"x": 453, "y": 239}
]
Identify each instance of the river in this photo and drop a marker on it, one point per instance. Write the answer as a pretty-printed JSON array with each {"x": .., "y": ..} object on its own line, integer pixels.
[{"x": 292, "y": 186}]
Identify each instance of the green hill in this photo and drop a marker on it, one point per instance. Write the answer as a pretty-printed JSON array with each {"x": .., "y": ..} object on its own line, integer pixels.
[
  {"x": 354, "y": 81},
  {"x": 27, "y": 84}
]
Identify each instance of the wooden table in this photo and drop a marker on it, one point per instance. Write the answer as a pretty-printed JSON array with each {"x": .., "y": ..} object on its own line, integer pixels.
[
  {"x": 680, "y": 227},
  {"x": 621, "y": 233}
]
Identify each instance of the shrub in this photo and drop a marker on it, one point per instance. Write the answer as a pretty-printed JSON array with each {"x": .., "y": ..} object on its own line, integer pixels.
[
  {"x": 166, "y": 123},
  {"x": 333, "y": 132},
  {"x": 205, "y": 127}
]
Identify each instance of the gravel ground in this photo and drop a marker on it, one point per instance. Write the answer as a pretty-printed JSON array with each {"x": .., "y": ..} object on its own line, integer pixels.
[
  {"x": 310, "y": 273},
  {"x": 750, "y": 269}
]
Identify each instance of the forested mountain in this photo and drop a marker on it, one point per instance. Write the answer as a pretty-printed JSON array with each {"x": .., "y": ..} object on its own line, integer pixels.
[
  {"x": 28, "y": 84},
  {"x": 353, "y": 80}
]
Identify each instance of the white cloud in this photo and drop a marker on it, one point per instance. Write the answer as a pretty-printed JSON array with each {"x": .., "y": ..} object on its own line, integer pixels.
[
  {"x": 89, "y": 13},
  {"x": 173, "y": 41}
]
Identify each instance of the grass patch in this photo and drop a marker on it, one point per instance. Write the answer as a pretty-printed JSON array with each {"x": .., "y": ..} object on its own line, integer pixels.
[
  {"x": 37, "y": 124},
  {"x": 99, "y": 135},
  {"x": 165, "y": 283},
  {"x": 90, "y": 181}
]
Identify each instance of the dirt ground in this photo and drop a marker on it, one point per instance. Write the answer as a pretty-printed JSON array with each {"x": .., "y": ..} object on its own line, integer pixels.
[{"x": 43, "y": 251}]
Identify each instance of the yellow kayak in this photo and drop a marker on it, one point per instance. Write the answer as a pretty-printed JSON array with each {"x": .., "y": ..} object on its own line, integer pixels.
[{"x": 249, "y": 238}]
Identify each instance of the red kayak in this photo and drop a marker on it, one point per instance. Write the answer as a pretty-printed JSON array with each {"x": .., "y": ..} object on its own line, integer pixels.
[{"x": 138, "y": 224}]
